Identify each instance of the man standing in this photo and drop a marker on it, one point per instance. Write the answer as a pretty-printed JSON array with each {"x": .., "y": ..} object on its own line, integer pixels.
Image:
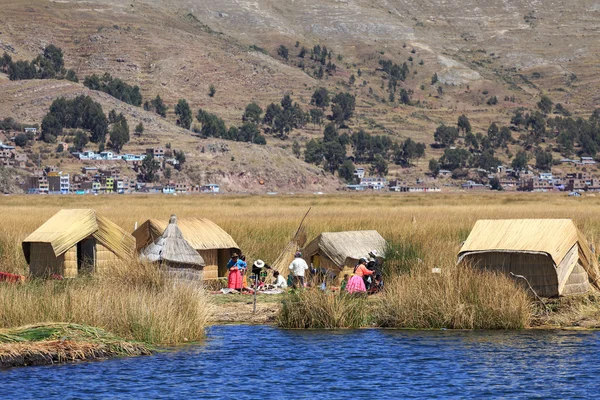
[{"x": 297, "y": 268}]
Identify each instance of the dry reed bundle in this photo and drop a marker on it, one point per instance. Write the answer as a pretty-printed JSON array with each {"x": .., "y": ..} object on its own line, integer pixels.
[
  {"x": 53, "y": 343},
  {"x": 286, "y": 256}
]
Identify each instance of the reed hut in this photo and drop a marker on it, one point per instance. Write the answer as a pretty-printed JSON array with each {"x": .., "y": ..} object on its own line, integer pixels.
[
  {"x": 551, "y": 254},
  {"x": 339, "y": 252},
  {"x": 76, "y": 241},
  {"x": 172, "y": 250},
  {"x": 212, "y": 243}
]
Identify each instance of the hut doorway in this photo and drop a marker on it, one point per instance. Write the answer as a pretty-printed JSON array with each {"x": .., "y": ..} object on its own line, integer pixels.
[
  {"x": 222, "y": 259},
  {"x": 86, "y": 255},
  {"x": 316, "y": 261}
]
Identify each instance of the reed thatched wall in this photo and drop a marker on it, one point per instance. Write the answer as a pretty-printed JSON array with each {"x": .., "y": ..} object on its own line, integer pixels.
[
  {"x": 43, "y": 263},
  {"x": 211, "y": 260},
  {"x": 537, "y": 268},
  {"x": 577, "y": 283},
  {"x": 70, "y": 263},
  {"x": 104, "y": 258}
]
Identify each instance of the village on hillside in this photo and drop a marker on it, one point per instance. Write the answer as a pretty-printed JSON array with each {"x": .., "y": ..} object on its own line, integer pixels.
[{"x": 108, "y": 172}]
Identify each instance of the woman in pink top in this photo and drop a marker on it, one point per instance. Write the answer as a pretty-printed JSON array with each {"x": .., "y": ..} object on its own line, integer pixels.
[{"x": 356, "y": 284}]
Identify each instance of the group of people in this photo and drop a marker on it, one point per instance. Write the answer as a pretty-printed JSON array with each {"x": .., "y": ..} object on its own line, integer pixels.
[
  {"x": 366, "y": 277},
  {"x": 237, "y": 276}
]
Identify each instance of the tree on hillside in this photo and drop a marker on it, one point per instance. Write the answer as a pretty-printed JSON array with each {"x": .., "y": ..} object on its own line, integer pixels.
[
  {"x": 180, "y": 157},
  {"x": 495, "y": 184},
  {"x": 543, "y": 159},
  {"x": 283, "y": 52},
  {"x": 21, "y": 140},
  {"x": 445, "y": 135},
  {"x": 55, "y": 56},
  {"x": 316, "y": 116},
  {"x": 404, "y": 97},
  {"x": 334, "y": 154},
  {"x": 493, "y": 134},
  {"x": 471, "y": 141},
  {"x": 342, "y": 107},
  {"x": 313, "y": 153},
  {"x": 184, "y": 114},
  {"x": 51, "y": 128},
  {"x": 379, "y": 166},
  {"x": 407, "y": 151},
  {"x": 545, "y": 104},
  {"x": 253, "y": 113},
  {"x": 119, "y": 135},
  {"x": 248, "y": 132},
  {"x": 330, "y": 133},
  {"x": 320, "y": 97},
  {"x": 149, "y": 168},
  {"x": 211, "y": 91},
  {"x": 139, "y": 129},
  {"x": 455, "y": 158},
  {"x": 434, "y": 167},
  {"x": 81, "y": 140},
  {"x": 158, "y": 106},
  {"x": 296, "y": 149},
  {"x": 463, "y": 124},
  {"x": 519, "y": 163},
  {"x": 346, "y": 171}
]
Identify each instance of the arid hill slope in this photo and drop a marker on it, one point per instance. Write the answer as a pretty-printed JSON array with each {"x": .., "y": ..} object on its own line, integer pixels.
[{"x": 514, "y": 50}]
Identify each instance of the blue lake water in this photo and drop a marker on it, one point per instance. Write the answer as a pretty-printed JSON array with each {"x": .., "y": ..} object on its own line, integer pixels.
[{"x": 250, "y": 362}]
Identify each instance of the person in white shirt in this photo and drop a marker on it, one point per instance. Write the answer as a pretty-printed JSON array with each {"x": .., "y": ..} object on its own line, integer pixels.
[
  {"x": 279, "y": 282},
  {"x": 297, "y": 268}
]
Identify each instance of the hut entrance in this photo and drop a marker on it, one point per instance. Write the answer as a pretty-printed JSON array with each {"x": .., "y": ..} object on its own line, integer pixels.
[
  {"x": 86, "y": 255},
  {"x": 222, "y": 260},
  {"x": 316, "y": 261}
]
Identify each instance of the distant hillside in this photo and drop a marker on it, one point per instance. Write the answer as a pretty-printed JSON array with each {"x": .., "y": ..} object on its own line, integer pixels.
[{"x": 478, "y": 51}]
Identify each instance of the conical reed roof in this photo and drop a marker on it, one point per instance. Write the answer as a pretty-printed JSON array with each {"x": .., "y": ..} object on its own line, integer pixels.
[{"x": 172, "y": 248}]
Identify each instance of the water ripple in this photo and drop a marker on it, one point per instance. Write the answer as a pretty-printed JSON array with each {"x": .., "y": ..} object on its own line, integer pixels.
[{"x": 249, "y": 362}]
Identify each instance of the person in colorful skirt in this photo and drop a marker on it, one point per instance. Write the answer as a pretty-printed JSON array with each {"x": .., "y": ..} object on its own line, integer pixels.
[
  {"x": 356, "y": 283},
  {"x": 234, "y": 279}
]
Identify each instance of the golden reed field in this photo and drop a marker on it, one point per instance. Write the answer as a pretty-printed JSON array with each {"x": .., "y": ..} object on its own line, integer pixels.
[{"x": 424, "y": 231}]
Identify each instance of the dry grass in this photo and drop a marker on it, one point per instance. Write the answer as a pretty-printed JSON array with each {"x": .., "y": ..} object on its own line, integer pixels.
[
  {"x": 144, "y": 305},
  {"x": 317, "y": 309},
  {"x": 458, "y": 298}
]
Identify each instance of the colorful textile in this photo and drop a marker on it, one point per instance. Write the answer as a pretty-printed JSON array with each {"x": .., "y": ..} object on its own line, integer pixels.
[
  {"x": 234, "y": 279},
  {"x": 362, "y": 271},
  {"x": 356, "y": 285}
]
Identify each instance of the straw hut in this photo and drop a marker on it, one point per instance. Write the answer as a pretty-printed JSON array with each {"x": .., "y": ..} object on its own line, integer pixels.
[
  {"x": 339, "y": 252},
  {"x": 75, "y": 241},
  {"x": 550, "y": 253},
  {"x": 172, "y": 249},
  {"x": 210, "y": 241}
]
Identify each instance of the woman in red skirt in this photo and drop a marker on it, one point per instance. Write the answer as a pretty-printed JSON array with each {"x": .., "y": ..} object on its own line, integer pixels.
[
  {"x": 356, "y": 284},
  {"x": 234, "y": 279}
]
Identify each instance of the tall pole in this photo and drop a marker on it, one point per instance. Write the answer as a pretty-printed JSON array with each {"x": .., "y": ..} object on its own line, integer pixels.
[{"x": 255, "y": 290}]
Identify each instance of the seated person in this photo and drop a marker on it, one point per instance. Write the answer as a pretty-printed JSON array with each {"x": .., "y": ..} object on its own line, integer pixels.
[{"x": 279, "y": 282}]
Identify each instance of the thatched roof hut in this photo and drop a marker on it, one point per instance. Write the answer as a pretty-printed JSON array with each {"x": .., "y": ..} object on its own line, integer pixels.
[
  {"x": 172, "y": 249},
  {"x": 210, "y": 241},
  {"x": 551, "y": 254},
  {"x": 74, "y": 241},
  {"x": 339, "y": 252}
]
